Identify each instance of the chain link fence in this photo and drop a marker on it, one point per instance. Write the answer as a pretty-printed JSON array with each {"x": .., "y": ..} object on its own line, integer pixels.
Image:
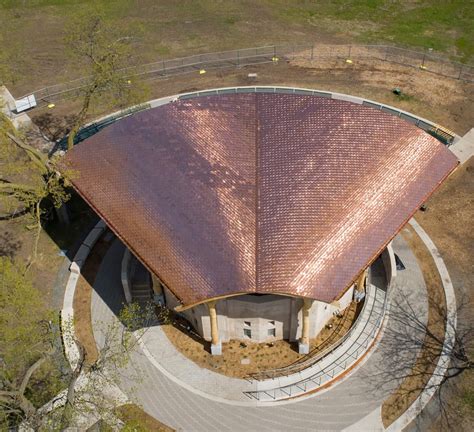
[{"x": 250, "y": 56}]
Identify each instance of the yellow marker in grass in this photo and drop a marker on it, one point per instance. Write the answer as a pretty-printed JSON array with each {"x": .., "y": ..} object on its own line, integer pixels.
[
  {"x": 51, "y": 105},
  {"x": 202, "y": 71},
  {"x": 349, "y": 61},
  {"x": 275, "y": 59}
]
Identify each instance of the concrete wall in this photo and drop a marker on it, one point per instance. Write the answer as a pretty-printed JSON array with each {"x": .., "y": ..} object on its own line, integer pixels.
[
  {"x": 388, "y": 259},
  {"x": 259, "y": 314}
]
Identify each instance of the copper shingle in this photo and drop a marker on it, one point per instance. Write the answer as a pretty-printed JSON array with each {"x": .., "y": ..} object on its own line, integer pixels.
[{"x": 258, "y": 192}]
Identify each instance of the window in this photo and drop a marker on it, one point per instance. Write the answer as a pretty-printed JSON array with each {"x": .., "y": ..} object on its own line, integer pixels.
[
  {"x": 248, "y": 333},
  {"x": 271, "y": 323},
  {"x": 271, "y": 332},
  {"x": 247, "y": 323}
]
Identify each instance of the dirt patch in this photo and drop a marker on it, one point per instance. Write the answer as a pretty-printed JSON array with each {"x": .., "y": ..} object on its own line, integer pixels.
[
  {"x": 82, "y": 299},
  {"x": 448, "y": 221},
  {"x": 442, "y": 100},
  {"x": 16, "y": 242},
  {"x": 410, "y": 388},
  {"x": 416, "y": 83},
  {"x": 240, "y": 359},
  {"x": 139, "y": 420}
]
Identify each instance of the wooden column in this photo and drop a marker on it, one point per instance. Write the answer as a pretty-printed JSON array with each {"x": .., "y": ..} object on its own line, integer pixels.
[
  {"x": 304, "y": 341},
  {"x": 360, "y": 284},
  {"x": 216, "y": 348}
]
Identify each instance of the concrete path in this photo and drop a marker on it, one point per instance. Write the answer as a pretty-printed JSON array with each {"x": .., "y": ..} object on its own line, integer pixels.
[
  {"x": 464, "y": 148},
  {"x": 220, "y": 388},
  {"x": 353, "y": 403}
]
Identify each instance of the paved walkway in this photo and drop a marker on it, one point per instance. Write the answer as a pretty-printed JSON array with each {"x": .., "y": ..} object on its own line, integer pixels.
[
  {"x": 164, "y": 355},
  {"x": 352, "y": 403},
  {"x": 464, "y": 148}
]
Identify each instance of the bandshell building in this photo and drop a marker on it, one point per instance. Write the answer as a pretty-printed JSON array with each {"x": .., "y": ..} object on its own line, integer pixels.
[{"x": 259, "y": 214}]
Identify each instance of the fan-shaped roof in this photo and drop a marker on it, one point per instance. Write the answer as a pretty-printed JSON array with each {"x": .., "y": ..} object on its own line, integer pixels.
[{"x": 258, "y": 192}]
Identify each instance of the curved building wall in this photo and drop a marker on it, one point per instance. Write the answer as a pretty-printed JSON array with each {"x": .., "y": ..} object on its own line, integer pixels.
[{"x": 260, "y": 318}]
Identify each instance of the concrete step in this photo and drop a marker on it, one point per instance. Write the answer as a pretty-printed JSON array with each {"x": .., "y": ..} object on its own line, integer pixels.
[
  {"x": 141, "y": 289},
  {"x": 140, "y": 285},
  {"x": 142, "y": 296}
]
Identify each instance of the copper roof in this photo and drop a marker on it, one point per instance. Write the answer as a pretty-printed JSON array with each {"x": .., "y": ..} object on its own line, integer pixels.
[{"x": 258, "y": 192}]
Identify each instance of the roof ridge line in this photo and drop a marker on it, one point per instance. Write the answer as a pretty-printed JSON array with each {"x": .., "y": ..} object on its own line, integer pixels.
[{"x": 257, "y": 192}]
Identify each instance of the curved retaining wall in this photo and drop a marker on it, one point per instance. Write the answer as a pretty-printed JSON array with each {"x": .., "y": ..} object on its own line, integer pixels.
[{"x": 67, "y": 312}]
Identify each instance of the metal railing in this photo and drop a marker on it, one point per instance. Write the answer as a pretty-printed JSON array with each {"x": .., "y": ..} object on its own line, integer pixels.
[
  {"x": 344, "y": 361},
  {"x": 442, "y": 134},
  {"x": 439, "y": 132},
  {"x": 314, "y": 357},
  {"x": 425, "y": 61},
  {"x": 92, "y": 128}
]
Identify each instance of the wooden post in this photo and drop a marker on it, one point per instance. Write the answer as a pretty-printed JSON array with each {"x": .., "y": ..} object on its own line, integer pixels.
[
  {"x": 303, "y": 347},
  {"x": 360, "y": 284},
  {"x": 216, "y": 347}
]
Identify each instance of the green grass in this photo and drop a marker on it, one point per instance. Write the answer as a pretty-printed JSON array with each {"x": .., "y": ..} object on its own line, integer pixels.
[
  {"x": 468, "y": 399},
  {"x": 176, "y": 28},
  {"x": 443, "y": 25}
]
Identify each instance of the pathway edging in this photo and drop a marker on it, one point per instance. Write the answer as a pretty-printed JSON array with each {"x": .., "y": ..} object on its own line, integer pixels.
[
  {"x": 67, "y": 312},
  {"x": 67, "y": 316},
  {"x": 420, "y": 403}
]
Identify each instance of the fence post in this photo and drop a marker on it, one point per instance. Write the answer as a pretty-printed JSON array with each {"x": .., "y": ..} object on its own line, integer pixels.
[
  {"x": 163, "y": 66},
  {"x": 350, "y": 51},
  {"x": 274, "y": 51},
  {"x": 423, "y": 61},
  {"x": 312, "y": 51},
  {"x": 460, "y": 71},
  {"x": 238, "y": 57}
]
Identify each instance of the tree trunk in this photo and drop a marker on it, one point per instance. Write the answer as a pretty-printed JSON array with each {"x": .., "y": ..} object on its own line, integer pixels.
[
  {"x": 81, "y": 117},
  {"x": 71, "y": 393},
  {"x": 63, "y": 214}
]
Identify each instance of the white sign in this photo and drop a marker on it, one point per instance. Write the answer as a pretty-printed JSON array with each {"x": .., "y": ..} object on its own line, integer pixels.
[{"x": 25, "y": 103}]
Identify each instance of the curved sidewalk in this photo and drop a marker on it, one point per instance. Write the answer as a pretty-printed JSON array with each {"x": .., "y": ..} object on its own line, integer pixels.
[
  {"x": 163, "y": 354},
  {"x": 348, "y": 403}
]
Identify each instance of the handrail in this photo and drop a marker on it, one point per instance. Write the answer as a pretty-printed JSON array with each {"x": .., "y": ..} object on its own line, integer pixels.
[
  {"x": 301, "y": 385},
  {"x": 442, "y": 134},
  {"x": 317, "y": 357}
]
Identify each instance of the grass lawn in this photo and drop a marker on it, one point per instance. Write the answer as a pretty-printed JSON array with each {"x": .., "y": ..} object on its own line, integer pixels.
[
  {"x": 138, "y": 420},
  {"x": 173, "y": 28}
]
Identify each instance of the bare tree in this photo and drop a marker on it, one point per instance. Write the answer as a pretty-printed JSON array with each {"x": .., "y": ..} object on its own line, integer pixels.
[
  {"x": 29, "y": 350},
  {"x": 102, "y": 52},
  {"x": 426, "y": 351},
  {"x": 117, "y": 340},
  {"x": 29, "y": 179}
]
